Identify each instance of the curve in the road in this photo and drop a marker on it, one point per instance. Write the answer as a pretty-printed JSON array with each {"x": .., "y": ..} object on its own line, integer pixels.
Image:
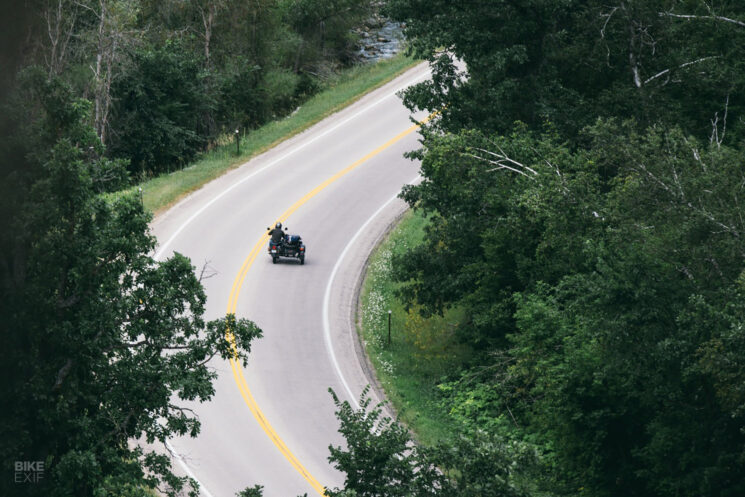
[
  {"x": 327, "y": 294},
  {"x": 293, "y": 366},
  {"x": 164, "y": 246},
  {"x": 233, "y": 302}
]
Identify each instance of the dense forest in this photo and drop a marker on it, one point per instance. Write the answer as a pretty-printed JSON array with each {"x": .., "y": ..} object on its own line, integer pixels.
[
  {"x": 164, "y": 79},
  {"x": 582, "y": 187}
]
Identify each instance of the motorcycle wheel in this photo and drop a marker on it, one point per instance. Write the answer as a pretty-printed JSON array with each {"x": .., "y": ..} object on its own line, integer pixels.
[
  {"x": 274, "y": 259},
  {"x": 302, "y": 260}
]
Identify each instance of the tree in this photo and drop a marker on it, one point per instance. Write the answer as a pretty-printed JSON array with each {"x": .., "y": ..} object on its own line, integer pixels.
[
  {"x": 603, "y": 286},
  {"x": 159, "y": 107},
  {"x": 482, "y": 243},
  {"x": 599, "y": 264},
  {"x": 324, "y": 27},
  {"x": 112, "y": 37},
  {"x": 60, "y": 18},
  {"x": 570, "y": 62},
  {"x": 103, "y": 343},
  {"x": 381, "y": 460}
]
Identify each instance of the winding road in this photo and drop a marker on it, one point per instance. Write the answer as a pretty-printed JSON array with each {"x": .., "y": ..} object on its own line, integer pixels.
[{"x": 335, "y": 184}]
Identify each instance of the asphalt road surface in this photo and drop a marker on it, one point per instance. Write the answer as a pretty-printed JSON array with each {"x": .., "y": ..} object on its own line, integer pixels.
[{"x": 335, "y": 185}]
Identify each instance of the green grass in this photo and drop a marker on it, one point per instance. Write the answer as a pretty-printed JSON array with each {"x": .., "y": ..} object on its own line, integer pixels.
[
  {"x": 348, "y": 87},
  {"x": 422, "y": 353}
]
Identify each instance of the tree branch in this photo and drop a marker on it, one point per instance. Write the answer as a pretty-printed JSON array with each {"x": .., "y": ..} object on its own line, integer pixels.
[
  {"x": 502, "y": 157},
  {"x": 62, "y": 374},
  {"x": 500, "y": 165},
  {"x": 711, "y": 17},
  {"x": 662, "y": 73}
]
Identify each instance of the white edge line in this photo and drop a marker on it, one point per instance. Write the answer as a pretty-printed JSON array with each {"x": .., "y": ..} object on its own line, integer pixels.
[
  {"x": 202, "y": 489},
  {"x": 327, "y": 298},
  {"x": 301, "y": 146}
]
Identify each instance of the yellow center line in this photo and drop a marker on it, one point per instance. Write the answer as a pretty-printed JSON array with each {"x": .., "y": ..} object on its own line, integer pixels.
[{"x": 240, "y": 379}]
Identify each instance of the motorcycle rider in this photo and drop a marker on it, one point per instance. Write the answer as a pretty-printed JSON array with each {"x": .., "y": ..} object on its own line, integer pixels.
[{"x": 277, "y": 234}]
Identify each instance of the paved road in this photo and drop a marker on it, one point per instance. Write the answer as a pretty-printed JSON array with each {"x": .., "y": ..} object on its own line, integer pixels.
[{"x": 272, "y": 423}]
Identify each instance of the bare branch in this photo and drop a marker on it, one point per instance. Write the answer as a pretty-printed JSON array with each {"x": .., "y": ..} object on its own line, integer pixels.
[
  {"x": 686, "y": 272},
  {"x": 511, "y": 415},
  {"x": 715, "y": 138},
  {"x": 715, "y": 129},
  {"x": 678, "y": 184},
  {"x": 607, "y": 20},
  {"x": 206, "y": 360},
  {"x": 666, "y": 71},
  {"x": 499, "y": 165},
  {"x": 504, "y": 156},
  {"x": 711, "y": 17},
  {"x": 635, "y": 71},
  {"x": 710, "y": 217},
  {"x": 204, "y": 274},
  {"x": 633, "y": 63},
  {"x": 62, "y": 374},
  {"x": 88, "y": 7},
  {"x": 183, "y": 410},
  {"x": 724, "y": 124},
  {"x": 60, "y": 30},
  {"x": 655, "y": 178}
]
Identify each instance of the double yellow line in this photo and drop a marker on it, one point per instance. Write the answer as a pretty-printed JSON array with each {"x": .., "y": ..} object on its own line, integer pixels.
[{"x": 240, "y": 379}]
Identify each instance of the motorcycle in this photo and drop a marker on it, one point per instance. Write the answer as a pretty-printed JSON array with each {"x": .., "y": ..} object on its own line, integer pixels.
[{"x": 288, "y": 246}]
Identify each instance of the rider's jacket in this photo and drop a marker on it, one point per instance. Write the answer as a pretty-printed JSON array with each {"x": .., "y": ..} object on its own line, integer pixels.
[{"x": 277, "y": 235}]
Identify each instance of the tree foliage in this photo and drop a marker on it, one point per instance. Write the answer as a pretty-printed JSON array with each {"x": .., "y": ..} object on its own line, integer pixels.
[
  {"x": 168, "y": 78},
  {"x": 159, "y": 108},
  {"x": 103, "y": 344},
  {"x": 583, "y": 183},
  {"x": 380, "y": 459},
  {"x": 569, "y": 62},
  {"x": 601, "y": 284}
]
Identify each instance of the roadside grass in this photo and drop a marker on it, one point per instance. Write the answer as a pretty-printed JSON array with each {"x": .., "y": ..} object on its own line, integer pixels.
[
  {"x": 423, "y": 352},
  {"x": 163, "y": 191}
]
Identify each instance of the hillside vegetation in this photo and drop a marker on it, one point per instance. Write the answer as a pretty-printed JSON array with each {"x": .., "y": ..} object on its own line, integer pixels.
[{"x": 582, "y": 189}]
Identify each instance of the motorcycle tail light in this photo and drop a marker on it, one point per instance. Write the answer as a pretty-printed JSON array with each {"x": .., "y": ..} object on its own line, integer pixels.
[
  {"x": 302, "y": 248},
  {"x": 274, "y": 247}
]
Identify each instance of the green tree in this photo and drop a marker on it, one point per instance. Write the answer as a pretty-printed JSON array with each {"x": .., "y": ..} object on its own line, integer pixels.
[
  {"x": 381, "y": 459},
  {"x": 103, "y": 344},
  {"x": 167, "y": 78},
  {"x": 483, "y": 242},
  {"x": 159, "y": 105},
  {"x": 569, "y": 62},
  {"x": 603, "y": 285},
  {"x": 325, "y": 28}
]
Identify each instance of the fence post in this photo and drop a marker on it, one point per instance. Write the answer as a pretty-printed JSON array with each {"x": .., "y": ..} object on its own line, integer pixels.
[{"x": 389, "y": 326}]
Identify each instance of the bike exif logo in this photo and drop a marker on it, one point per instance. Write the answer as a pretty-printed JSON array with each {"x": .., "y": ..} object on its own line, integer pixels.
[{"x": 29, "y": 471}]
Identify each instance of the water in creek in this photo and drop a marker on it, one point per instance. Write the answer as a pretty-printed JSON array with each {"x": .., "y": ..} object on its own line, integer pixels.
[{"x": 380, "y": 39}]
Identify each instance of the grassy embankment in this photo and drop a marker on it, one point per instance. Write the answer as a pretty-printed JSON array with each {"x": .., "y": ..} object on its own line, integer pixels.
[
  {"x": 349, "y": 86},
  {"x": 422, "y": 353}
]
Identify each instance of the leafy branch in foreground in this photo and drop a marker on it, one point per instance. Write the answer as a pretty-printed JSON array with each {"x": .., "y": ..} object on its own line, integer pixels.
[
  {"x": 103, "y": 345},
  {"x": 381, "y": 459}
]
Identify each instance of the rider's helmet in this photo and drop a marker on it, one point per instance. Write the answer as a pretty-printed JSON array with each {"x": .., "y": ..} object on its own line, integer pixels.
[{"x": 278, "y": 226}]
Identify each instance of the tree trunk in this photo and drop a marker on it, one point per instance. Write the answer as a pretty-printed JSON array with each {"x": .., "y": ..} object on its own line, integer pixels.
[
  {"x": 60, "y": 26},
  {"x": 98, "y": 94},
  {"x": 208, "y": 21}
]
